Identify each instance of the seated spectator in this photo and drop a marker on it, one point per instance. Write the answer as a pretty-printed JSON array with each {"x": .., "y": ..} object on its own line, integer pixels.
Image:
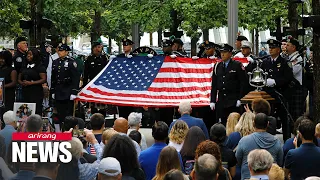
[
  {"x": 97, "y": 125},
  {"x": 136, "y": 136},
  {"x": 218, "y": 135},
  {"x": 86, "y": 170},
  {"x": 304, "y": 161},
  {"x": 11, "y": 125},
  {"x": 232, "y": 121},
  {"x": 122, "y": 148},
  {"x": 259, "y": 163},
  {"x": 276, "y": 172},
  {"x": 260, "y": 139},
  {"x": 121, "y": 126},
  {"x": 185, "y": 111},
  {"x": 107, "y": 135},
  {"x": 46, "y": 170},
  {"x": 34, "y": 124},
  {"x": 109, "y": 169},
  {"x": 168, "y": 160},
  {"x": 206, "y": 168},
  {"x": 243, "y": 128},
  {"x": 160, "y": 135},
  {"x": 260, "y": 105},
  {"x": 175, "y": 174},
  {"x": 209, "y": 147},
  {"x": 178, "y": 134},
  {"x": 193, "y": 138},
  {"x": 134, "y": 121}
]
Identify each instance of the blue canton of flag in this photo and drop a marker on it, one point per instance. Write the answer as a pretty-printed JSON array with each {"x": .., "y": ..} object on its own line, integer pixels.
[{"x": 135, "y": 74}]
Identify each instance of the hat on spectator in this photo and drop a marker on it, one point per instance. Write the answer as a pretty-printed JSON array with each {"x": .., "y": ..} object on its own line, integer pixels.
[{"x": 109, "y": 166}]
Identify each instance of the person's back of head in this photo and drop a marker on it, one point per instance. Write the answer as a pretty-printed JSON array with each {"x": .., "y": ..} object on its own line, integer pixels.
[
  {"x": 136, "y": 136},
  {"x": 134, "y": 120},
  {"x": 97, "y": 121},
  {"x": 206, "y": 168},
  {"x": 160, "y": 131},
  {"x": 260, "y": 105},
  {"x": 70, "y": 122},
  {"x": 276, "y": 172},
  {"x": 174, "y": 174},
  {"x": 48, "y": 169},
  {"x": 307, "y": 129},
  {"x": 245, "y": 124},
  {"x": 232, "y": 121},
  {"x": 34, "y": 123},
  {"x": 107, "y": 135},
  {"x": 121, "y": 125},
  {"x": 76, "y": 148},
  {"x": 261, "y": 121},
  {"x": 9, "y": 118},
  {"x": 218, "y": 133},
  {"x": 109, "y": 169},
  {"x": 259, "y": 162},
  {"x": 185, "y": 107}
]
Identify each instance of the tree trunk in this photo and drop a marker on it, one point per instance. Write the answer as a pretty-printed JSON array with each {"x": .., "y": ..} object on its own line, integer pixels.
[
  {"x": 316, "y": 61},
  {"x": 151, "y": 40},
  {"x": 257, "y": 42},
  {"x": 194, "y": 46},
  {"x": 32, "y": 32},
  {"x": 159, "y": 37},
  {"x": 293, "y": 18},
  {"x": 205, "y": 33},
  {"x": 252, "y": 41},
  {"x": 109, "y": 45},
  {"x": 96, "y": 27}
]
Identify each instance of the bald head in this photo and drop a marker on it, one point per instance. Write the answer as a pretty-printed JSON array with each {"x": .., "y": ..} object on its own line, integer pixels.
[{"x": 121, "y": 125}]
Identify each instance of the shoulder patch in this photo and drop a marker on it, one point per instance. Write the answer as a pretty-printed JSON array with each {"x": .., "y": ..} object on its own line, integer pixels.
[
  {"x": 19, "y": 59},
  {"x": 75, "y": 64}
]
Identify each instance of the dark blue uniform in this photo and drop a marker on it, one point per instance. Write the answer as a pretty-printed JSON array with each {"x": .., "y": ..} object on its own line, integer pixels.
[
  {"x": 20, "y": 62},
  {"x": 92, "y": 66},
  {"x": 64, "y": 82}
]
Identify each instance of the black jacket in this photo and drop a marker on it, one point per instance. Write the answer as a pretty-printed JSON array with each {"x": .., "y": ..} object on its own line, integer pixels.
[
  {"x": 19, "y": 60},
  {"x": 92, "y": 66}
]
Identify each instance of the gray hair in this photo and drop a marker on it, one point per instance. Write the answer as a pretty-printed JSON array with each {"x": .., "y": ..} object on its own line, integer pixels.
[
  {"x": 8, "y": 117},
  {"x": 185, "y": 107},
  {"x": 76, "y": 147},
  {"x": 206, "y": 167},
  {"x": 260, "y": 160},
  {"x": 134, "y": 119},
  {"x": 34, "y": 123}
]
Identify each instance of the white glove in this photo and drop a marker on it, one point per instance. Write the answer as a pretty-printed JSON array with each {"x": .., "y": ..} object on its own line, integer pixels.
[
  {"x": 238, "y": 103},
  {"x": 129, "y": 56},
  {"x": 150, "y": 55},
  {"x": 271, "y": 82},
  {"x": 53, "y": 96},
  {"x": 112, "y": 57},
  {"x": 212, "y": 57},
  {"x": 195, "y": 57},
  {"x": 173, "y": 56},
  {"x": 212, "y": 106},
  {"x": 250, "y": 59},
  {"x": 72, "y": 97}
]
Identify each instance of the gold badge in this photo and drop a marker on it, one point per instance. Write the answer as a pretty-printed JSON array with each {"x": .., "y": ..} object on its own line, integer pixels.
[{"x": 278, "y": 65}]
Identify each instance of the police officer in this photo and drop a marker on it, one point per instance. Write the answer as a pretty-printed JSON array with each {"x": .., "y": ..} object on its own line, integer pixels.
[
  {"x": 279, "y": 77},
  {"x": 237, "y": 51},
  {"x": 127, "y": 48},
  {"x": 20, "y": 61},
  {"x": 229, "y": 81},
  {"x": 94, "y": 63},
  {"x": 64, "y": 82},
  {"x": 211, "y": 50},
  {"x": 167, "y": 47},
  {"x": 177, "y": 48}
]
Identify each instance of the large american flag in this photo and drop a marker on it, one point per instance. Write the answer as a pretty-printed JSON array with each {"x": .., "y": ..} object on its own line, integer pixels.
[{"x": 159, "y": 81}]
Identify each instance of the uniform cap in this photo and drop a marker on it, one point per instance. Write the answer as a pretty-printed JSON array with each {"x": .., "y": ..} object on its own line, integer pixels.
[
  {"x": 178, "y": 41},
  {"x": 274, "y": 43},
  {"x": 246, "y": 44},
  {"x": 20, "y": 39},
  {"x": 97, "y": 43},
  {"x": 226, "y": 47},
  {"x": 241, "y": 38},
  {"x": 166, "y": 43},
  {"x": 208, "y": 45},
  {"x": 64, "y": 47},
  {"x": 127, "y": 42}
]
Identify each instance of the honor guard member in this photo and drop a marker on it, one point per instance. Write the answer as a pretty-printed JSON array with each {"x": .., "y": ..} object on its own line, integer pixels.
[
  {"x": 297, "y": 90},
  {"x": 94, "y": 63},
  {"x": 167, "y": 47},
  {"x": 211, "y": 50},
  {"x": 177, "y": 48},
  {"x": 20, "y": 61},
  {"x": 127, "y": 48},
  {"x": 279, "y": 77},
  {"x": 64, "y": 82},
  {"x": 237, "y": 51},
  {"x": 229, "y": 81},
  {"x": 246, "y": 47},
  {"x": 284, "y": 53}
]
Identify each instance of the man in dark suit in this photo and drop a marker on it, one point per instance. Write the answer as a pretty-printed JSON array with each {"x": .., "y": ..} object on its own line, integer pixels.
[
  {"x": 230, "y": 82},
  {"x": 279, "y": 77}
]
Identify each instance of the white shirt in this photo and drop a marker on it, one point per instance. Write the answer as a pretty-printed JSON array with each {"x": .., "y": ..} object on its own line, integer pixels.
[{"x": 49, "y": 68}]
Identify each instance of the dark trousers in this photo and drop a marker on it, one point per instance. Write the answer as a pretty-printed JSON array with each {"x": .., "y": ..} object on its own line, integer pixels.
[
  {"x": 64, "y": 108},
  {"x": 222, "y": 112},
  {"x": 206, "y": 114}
]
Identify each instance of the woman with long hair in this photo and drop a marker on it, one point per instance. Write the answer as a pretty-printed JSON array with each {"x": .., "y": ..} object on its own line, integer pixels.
[
  {"x": 122, "y": 148},
  {"x": 10, "y": 79},
  {"x": 177, "y": 134},
  {"x": 209, "y": 147},
  {"x": 243, "y": 128},
  {"x": 232, "y": 121},
  {"x": 31, "y": 78},
  {"x": 194, "y": 137},
  {"x": 168, "y": 159}
]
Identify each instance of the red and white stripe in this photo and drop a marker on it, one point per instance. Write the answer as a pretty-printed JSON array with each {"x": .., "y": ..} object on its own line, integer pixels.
[{"x": 178, "y": 79}]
